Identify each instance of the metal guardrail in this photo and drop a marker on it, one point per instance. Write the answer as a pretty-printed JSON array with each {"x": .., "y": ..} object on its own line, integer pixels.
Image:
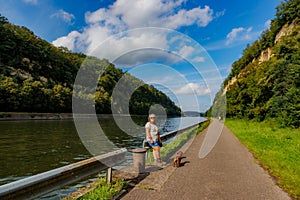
[
  {"x": 171, "y": 134},
  {"x": 40, "y": 184}
]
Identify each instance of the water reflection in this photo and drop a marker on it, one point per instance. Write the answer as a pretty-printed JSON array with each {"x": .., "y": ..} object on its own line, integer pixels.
[{"x": 31, "y": 147}]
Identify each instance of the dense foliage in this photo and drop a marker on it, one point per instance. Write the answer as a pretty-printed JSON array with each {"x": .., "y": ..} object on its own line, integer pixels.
[
  {"x": 257, "y": 89},
  {"x": 36, "y": 76}
]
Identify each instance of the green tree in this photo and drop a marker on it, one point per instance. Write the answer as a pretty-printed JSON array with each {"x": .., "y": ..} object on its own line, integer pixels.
[
  {"x": 33, "y": 98},
  {"x": 62, "y": 98},
  {"x": 9, "y": 91}
]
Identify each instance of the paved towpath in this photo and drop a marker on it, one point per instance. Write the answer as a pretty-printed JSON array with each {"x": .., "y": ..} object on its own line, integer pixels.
[{"x": 229, "y": 171}]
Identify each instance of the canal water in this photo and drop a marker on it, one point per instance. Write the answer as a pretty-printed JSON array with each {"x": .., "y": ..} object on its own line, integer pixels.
[{"x": 34, "y": 146}]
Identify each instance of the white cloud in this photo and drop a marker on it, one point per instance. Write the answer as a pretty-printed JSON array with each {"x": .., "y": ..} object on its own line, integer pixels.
[
  {"x": 31, "y": 1},
  {"x": 233, "y": 34},
  {"x": 139, "y": 42},
  {"x": 146, "y": 55},
  {"x": 165, "y": 80},
  {"x": 268, "y": 23},
  {"x": 199, "y": 59},
  {"x": 238, "y": 34},
  {"x": 185, "y": 51},
  {"x": 124, "y": 15},
  {"x": 193, "y": 89},
  {"x": 67, "y": 41},
  {"x": 65, "y": 16},
  {"x": 220, "y": 14},
  {"x": 199, "y": 16},
  {"x": 141, "y": 13}
]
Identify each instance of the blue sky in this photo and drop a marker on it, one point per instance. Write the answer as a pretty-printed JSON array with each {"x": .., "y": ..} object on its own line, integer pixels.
[{"x": 181, "y": 68}]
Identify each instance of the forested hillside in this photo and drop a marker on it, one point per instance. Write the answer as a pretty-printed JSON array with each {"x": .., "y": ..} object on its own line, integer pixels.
[
  {"x": 265, "y": 81},
  {"x": 36, "y": 76}
]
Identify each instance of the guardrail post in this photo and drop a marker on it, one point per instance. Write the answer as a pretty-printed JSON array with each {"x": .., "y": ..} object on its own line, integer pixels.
[
  {"x": 139, "y": 159},
  {"x": 109, "y": 175}
]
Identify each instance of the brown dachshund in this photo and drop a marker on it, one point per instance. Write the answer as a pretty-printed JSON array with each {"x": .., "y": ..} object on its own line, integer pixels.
[{"x": 177, "y": 159}]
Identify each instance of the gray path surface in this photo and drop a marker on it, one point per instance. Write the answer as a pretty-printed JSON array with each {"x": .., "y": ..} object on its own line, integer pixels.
[{"x": 228, "y": 172}]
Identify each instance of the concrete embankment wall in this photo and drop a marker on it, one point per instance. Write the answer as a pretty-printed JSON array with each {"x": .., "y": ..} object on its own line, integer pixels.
[
  {"x": 7, "y": 116},
  {"x": 34, "y": 116}
]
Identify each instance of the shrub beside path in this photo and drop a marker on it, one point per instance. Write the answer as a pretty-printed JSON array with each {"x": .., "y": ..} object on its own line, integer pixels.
[{"x": 229, "y": 171}]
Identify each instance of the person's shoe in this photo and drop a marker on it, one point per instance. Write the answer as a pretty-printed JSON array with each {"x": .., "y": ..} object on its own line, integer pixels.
[
  {"x": 157, "y": 161},
  {"x": 160, "y": 163}
]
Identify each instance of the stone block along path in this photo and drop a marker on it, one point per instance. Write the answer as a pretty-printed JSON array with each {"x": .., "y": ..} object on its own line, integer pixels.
[{"x": 229, "y": 171}]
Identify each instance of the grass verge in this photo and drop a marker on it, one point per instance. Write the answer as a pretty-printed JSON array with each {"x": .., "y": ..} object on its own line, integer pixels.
[
  {"x": 277, "y": 149},
  {"x": 169, "y": 149},
  {"x": 104, "y": 190}
]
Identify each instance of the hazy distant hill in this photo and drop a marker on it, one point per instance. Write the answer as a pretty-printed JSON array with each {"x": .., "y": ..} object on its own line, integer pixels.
[
  {"x": 36, "y": 76},
  {"x": 193, "y": 114},
  {"x": 265, "y": 81}
]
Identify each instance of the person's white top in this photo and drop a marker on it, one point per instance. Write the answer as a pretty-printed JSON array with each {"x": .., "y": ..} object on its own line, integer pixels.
[{"x": 153, "y": 131}]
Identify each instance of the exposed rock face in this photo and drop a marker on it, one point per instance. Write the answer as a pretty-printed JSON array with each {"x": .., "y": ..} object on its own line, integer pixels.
[
  {"x": 232, "y": 81},
  {"x": 285, "y": 30},
  {"x": 266, "y": 54}
]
